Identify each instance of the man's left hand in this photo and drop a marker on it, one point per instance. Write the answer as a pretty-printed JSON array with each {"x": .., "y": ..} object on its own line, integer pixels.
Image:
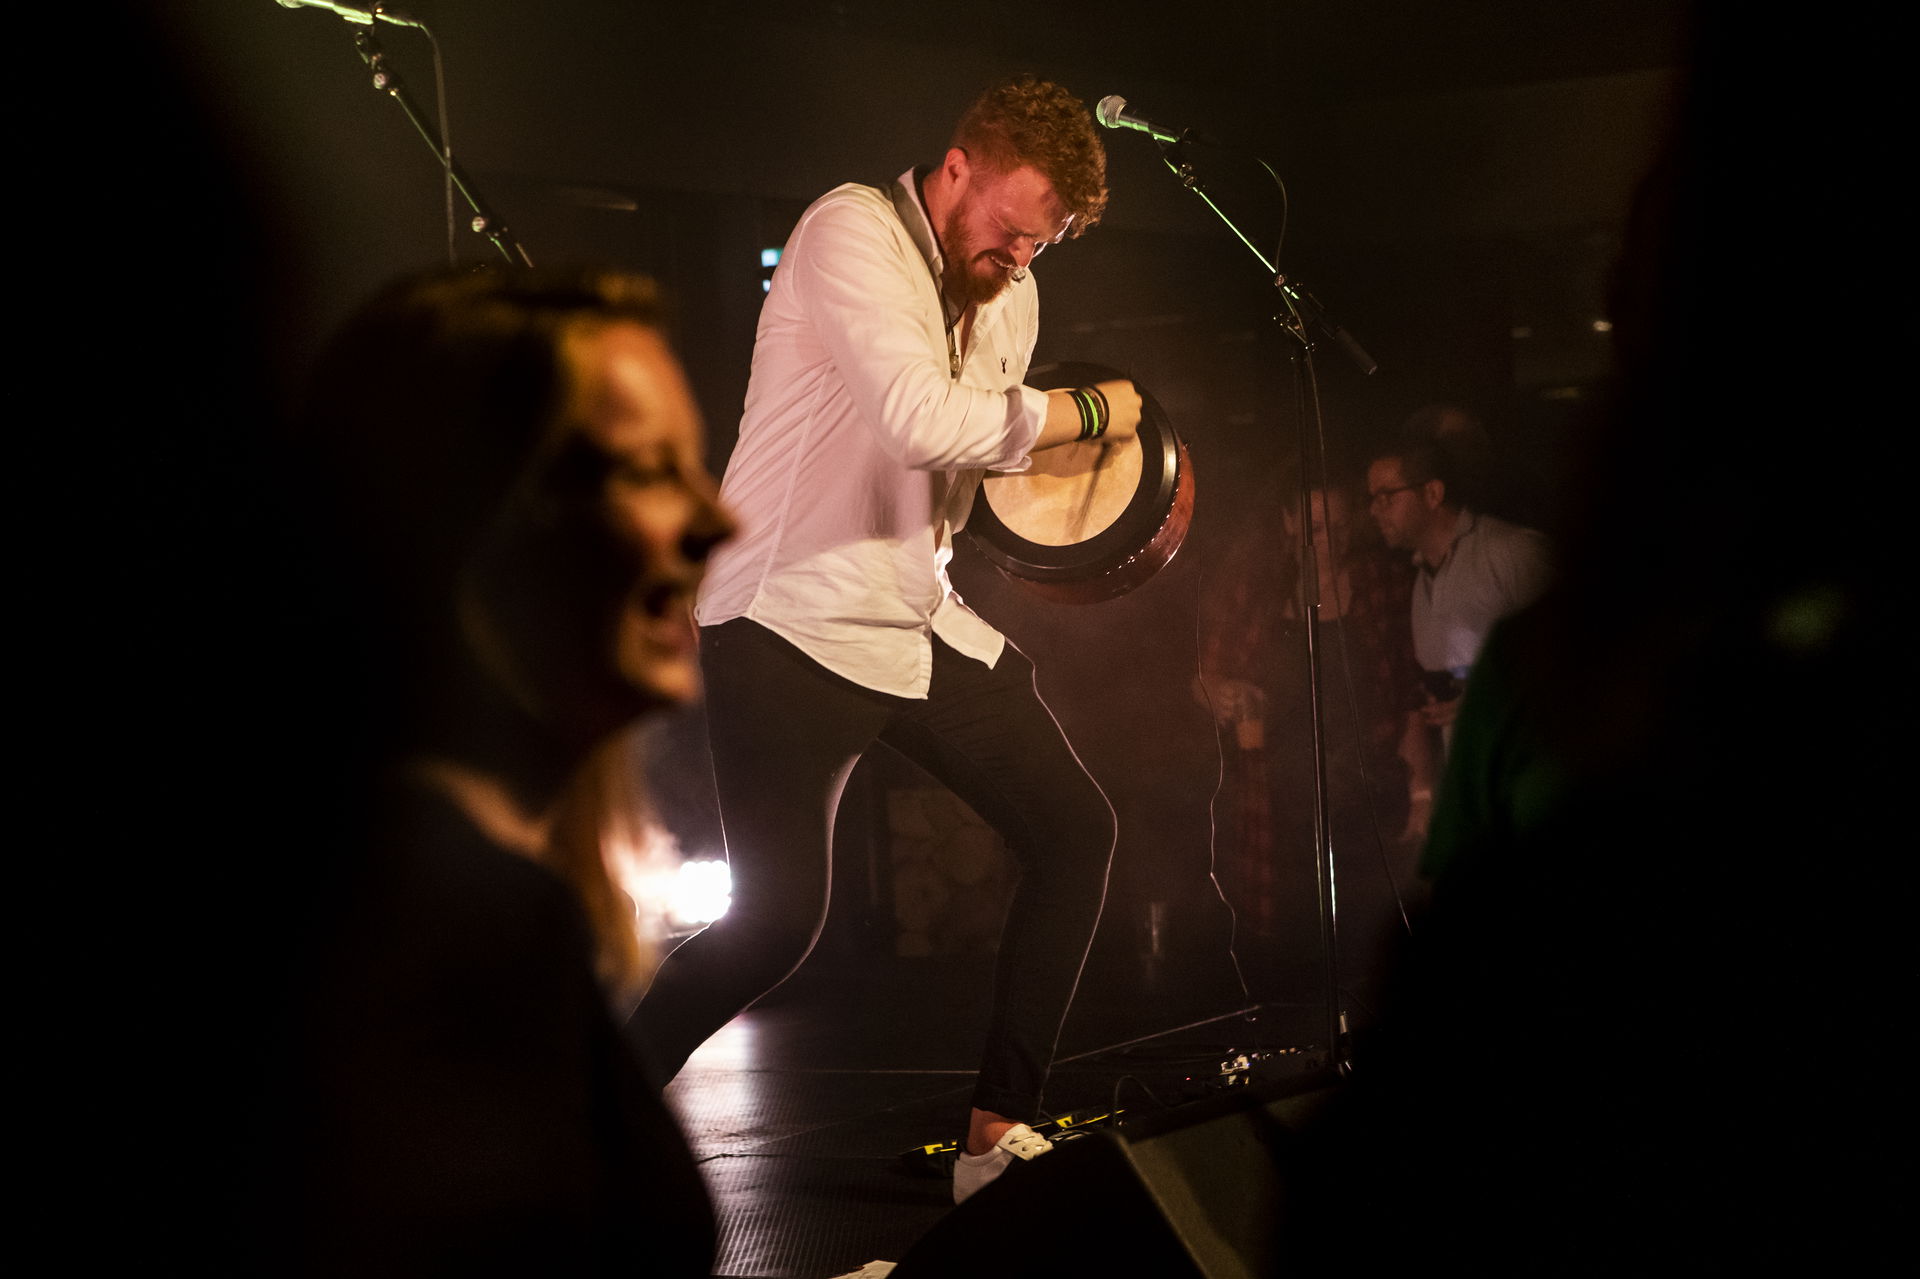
[{"x": 1439, "y": 714}]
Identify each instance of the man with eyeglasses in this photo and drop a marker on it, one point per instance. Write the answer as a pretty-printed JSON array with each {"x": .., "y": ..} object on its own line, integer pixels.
[
  {"x": 1474, "y": 568},
  {"x": 887, "y": 380}
]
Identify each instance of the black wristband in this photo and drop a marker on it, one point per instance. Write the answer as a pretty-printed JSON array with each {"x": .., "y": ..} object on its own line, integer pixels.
[
  {"x": 1106, "y": 410},
  {"x": 1093, "y": 411}
]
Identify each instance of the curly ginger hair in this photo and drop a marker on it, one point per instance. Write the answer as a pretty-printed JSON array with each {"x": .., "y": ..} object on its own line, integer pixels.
[{"x": 1036, "y": 122}]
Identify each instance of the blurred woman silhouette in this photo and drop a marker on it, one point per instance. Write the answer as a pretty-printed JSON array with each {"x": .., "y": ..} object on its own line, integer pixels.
[{"x": 521, "y": 516}]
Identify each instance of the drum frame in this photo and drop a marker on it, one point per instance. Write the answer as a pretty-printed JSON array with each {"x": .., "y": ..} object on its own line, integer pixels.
[{"x": 1117, "y": 559}]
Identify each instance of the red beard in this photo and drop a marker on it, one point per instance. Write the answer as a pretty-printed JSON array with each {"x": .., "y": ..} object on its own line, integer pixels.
[{"x": 964, "y": 283}]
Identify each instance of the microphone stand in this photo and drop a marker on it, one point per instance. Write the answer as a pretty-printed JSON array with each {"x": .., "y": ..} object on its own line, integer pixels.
[
  {"x": 1302, "y": 308},
  {"x": 484, "y": 222},
  {"x": 1301, "y": 314}
]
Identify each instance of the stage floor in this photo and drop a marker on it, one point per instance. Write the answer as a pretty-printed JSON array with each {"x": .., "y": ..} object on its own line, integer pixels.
[{"x": 803, "y": 1110}]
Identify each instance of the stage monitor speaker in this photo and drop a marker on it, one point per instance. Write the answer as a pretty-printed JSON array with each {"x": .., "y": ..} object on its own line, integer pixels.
[{"x": 1196, "y": 1192}]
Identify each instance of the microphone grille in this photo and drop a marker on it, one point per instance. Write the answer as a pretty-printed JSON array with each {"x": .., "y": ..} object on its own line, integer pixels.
[{"x": 1107, "y": 112}]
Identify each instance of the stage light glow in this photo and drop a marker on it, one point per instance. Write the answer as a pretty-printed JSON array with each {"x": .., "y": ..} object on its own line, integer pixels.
[
  {"x": 769, "y": 257},
  {"x": 701, "y": 892}
]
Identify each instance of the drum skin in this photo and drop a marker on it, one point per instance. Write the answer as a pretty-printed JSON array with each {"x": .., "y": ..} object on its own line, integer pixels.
[{"x": 1090, "y": 521}]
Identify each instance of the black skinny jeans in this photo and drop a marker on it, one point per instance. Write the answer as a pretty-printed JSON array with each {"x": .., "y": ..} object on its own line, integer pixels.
[{"x": 785, "y": 733}]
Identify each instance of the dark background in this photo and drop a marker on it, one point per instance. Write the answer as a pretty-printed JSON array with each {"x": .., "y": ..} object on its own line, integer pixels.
[
  {"x": 1456, "y": 171},
  {"x": 1458, "y": 176}
]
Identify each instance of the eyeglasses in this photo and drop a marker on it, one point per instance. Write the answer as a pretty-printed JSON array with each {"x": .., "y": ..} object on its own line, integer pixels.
[
  {"x": 1039, "y": 243},
  {"x": 1380, "y": 497}
]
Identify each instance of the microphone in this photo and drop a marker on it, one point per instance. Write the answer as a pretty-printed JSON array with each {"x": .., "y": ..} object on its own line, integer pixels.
[
  {"x": 1112, "y": 113},
  {"x": 364, "y": 14}
]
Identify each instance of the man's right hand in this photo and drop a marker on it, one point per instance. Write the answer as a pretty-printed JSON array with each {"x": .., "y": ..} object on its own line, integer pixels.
[
  {"x": 1123, "y": 403},
  {"x": 1063, "y": 417}
]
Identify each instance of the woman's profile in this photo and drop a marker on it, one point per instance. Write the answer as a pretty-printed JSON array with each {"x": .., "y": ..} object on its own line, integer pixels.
[{"x": 521, "y": 517}]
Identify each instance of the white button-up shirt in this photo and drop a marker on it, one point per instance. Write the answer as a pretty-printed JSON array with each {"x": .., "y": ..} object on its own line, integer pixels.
[
  {"x": 860, "y": 451},
  {"x": 1492, "y": 569}
]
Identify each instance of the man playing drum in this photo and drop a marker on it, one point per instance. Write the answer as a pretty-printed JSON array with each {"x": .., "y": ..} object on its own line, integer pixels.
[{"x": 887, "y": 379}]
